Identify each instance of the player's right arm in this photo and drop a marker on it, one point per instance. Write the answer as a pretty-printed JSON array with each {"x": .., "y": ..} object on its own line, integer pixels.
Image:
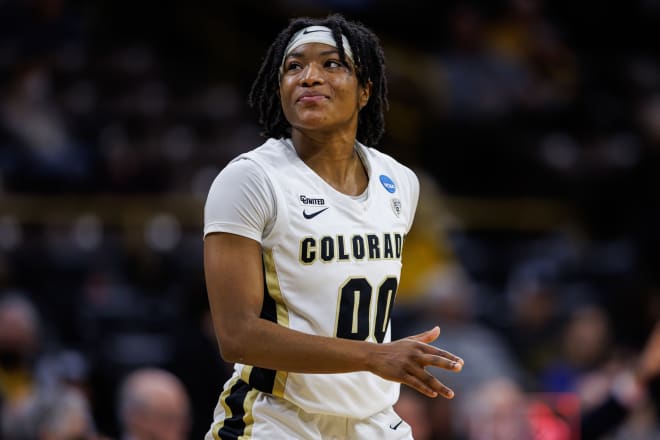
[{"x": 234, "y": 276}]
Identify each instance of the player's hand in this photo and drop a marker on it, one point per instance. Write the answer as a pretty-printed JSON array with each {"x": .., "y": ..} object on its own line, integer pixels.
[{"x": 405, "y": 361}]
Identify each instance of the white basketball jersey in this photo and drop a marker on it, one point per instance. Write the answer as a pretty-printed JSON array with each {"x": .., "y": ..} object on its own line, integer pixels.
[{"x": 331, "y": 264}]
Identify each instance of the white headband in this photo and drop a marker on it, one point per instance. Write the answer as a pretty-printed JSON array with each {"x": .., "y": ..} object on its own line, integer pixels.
[{"x": 316, "y": 34}]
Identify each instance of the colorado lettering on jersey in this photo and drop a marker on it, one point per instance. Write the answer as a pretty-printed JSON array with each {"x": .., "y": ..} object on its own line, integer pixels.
[{"x": 387, "y": 246}]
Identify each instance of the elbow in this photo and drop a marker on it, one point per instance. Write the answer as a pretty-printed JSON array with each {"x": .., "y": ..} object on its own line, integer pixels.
[
  {"x": 236, "y": 336},
  {"x": 232, "y": 347},
  {"x": 231, "y": 353}
]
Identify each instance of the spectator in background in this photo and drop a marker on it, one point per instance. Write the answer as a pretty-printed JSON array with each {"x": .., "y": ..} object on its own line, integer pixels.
[
  {"x": 500, "y": 409},
  {"x": 495, "y": 411},
  {"x": 629, "y": 390},
  {"x": 43, "y": 396},
  {"x": 19, "y": 345},
  {"x": 482, "y": 84},
  {"x": 534, "y": 313},
  {"x": 585, "y": 345},
  {"x": 42, "y": 146},
  {"x": 59, "y": 414},
  {"x": 525, "y": 36},
  {"x": 153, "y": 405}
]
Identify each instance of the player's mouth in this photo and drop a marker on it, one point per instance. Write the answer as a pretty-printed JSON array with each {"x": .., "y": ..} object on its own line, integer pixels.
[{"x": 310, "y": 97}]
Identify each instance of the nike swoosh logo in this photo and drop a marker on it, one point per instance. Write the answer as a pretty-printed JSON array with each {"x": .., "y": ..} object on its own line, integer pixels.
[
  {"x": 397, "y": 425},
  {"x": 313, "y": 214},
  {"x": 307, "y": 31}
]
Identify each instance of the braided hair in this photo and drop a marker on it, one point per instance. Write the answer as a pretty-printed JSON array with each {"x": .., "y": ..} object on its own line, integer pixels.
[{"x": 369, "y": 67}]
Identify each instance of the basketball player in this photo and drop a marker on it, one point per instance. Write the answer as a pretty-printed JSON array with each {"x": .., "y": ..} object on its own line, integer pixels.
[{"x": 303, "y": 242}]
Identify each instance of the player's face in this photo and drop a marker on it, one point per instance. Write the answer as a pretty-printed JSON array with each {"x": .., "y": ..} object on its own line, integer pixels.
[{"x": 318, "y": 91}]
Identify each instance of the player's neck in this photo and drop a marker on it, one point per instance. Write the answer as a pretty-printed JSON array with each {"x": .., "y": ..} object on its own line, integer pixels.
[{"x": 335, "y": 160}]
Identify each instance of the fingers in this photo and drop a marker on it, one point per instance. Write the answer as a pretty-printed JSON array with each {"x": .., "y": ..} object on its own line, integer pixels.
[
  {"x": 429, "y": 386},
  {"x": 429, "y": 355},
  {"x": 445, "y": 360},
  {"x": 457, "y": 362},
  {"x": 427, "y": 336},
  {"x": 435, "y": 356}
]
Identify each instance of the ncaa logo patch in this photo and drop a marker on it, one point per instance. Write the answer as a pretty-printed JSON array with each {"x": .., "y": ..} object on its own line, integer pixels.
[
  {"x": 387, "y": 183},
  {"x": 396, "y": 206}
]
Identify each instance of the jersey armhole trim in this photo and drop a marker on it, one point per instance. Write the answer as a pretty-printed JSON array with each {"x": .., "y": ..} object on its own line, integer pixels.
[{"x": 231, "y": 228}]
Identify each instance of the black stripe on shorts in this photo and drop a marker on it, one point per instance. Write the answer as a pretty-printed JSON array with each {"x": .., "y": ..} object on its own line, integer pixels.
[{"x": 233, "y": 427}]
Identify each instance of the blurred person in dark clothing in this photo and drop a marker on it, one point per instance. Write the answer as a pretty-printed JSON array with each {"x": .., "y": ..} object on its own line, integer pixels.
[
  {"x": 585, "y": 344},
  {"x": 631, "y": 390},
  {"x": 58, "y": 414},
  {"x": 19, "y": 345},
  {"x": 37, "y": 386}
]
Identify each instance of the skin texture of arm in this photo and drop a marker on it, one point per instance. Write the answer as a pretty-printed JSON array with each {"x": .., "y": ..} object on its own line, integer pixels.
[{"x": 234, "y": 277}]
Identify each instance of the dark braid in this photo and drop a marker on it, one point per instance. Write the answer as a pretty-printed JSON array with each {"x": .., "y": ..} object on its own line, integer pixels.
[{"x": 369, "y": 65}]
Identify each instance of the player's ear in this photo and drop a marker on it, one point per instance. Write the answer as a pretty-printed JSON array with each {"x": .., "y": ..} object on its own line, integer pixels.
[{"x": 365, "y": 93}]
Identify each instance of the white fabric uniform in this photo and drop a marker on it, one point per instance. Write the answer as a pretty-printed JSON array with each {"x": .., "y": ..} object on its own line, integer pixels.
[{"x": 331, "y": 265}]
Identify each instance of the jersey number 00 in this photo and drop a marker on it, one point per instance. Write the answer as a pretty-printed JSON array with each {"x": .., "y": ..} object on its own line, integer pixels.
[{"x": 353, "y": 318}]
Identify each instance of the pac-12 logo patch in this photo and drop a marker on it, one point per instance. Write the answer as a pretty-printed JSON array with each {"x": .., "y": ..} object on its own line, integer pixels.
[
  {"x": 387, "y": 183},
  {"x": 396, "y": 206}
]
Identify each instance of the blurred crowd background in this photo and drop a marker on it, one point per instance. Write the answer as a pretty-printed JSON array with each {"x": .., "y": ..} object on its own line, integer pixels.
[{"x": 534, "y": 127}]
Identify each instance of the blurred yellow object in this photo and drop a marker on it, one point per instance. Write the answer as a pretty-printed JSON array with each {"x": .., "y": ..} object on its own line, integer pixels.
[
  {"x": 15, "y": 386},
  {"x": 427, "y": 249}
]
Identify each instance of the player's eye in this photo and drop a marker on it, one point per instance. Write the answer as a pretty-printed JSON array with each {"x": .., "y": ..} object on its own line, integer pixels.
[
  {"x": 332, "y": 63},
  {"x": 291, "y": 65}
]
